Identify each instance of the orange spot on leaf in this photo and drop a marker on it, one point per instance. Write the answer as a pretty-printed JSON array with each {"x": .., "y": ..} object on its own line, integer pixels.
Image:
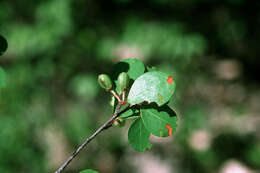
[
  {"x": 170, "y": 80},
  {"x": 169, "y": 129}
]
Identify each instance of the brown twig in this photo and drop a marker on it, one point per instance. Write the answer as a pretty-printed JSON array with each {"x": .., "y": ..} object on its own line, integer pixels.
[{"x": 106, "y": 125}]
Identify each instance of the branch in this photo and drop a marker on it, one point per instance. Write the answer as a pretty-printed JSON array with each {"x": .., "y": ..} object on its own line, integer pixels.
[{"x": 106, "y": 125}]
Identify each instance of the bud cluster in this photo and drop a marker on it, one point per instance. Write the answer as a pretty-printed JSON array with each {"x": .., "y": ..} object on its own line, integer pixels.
[{"x": 123, "y": 82}]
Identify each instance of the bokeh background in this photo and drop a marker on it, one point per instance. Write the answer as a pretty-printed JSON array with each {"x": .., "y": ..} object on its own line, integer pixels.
[{"x": 52, "y": 100}]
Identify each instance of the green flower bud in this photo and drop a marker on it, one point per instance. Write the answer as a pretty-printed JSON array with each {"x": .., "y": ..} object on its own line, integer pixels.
[
  {"x": 123, "y": 81},
  {"x": 119, "y": 122},
  {"x": 105, "y": 81}
]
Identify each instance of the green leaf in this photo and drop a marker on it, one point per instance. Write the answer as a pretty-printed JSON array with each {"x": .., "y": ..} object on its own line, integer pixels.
[
  {"x": 88, "y": 171},
  {"x": 133, "y": 67},
  {"x": 151, "y": 69},
  {"x": 160, "y": 121},
  {"x": 2, "y": 78},
  {"x": 152, "y": 86},
  {"x": 138, "y": 136},
  {"x": 130, "y": 113}
]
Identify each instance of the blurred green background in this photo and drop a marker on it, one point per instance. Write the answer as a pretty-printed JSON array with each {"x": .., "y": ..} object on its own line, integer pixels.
[{"x": 52, "y": 100}]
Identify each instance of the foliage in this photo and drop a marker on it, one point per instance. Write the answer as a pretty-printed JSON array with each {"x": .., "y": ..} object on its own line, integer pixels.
[
  {"x": 150, "y": 87},
  {"x": 153, "y": 86},
  {"x": 160, "y": 121},
  {"x": 138, "y": 136},
  {"x": 57, "y": 48}
]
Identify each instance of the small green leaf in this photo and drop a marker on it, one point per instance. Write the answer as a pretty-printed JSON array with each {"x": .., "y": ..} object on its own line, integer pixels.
[
  {"x": 152, "y": 86},
  {"x": 133, "y": 67},
  {"x": 88, "y": 171},
  {"x": 2, "y": 78},
  {"x": 138, "y": 136},
  {"x": 160, "y": 121},
  {"x": 132, "y": 112}
]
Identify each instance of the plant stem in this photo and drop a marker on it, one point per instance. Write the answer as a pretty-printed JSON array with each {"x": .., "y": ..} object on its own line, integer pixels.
[
  {"x": 106, "y": 125},
  {"x": 115, "y": 95}
]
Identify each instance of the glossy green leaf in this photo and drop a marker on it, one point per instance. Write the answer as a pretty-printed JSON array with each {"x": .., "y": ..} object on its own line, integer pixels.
[
  {"x": 132, "y": 66},
  {"x": 160, "y": 121},
  {"x": 2, "y": 78},
  {"x": 88, "y": 171},
  {"x": 152, "y": 86},
  {"x": 138, "y": 136}
]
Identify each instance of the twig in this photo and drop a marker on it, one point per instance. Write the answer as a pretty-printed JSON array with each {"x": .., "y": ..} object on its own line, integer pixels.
[
  {"x": 115, "y": 95},
  {"x": 104, "y": 126}
]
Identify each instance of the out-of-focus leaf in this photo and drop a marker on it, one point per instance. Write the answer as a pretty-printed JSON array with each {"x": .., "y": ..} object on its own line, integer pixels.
[
  {"x": 2, "y": 77},
  {"x": 88, "y": 171},
  {"x": 84, "y": 86}
]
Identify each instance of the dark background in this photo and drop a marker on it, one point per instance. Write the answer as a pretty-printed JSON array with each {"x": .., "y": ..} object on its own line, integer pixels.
[{"x": 52, "y": 100}]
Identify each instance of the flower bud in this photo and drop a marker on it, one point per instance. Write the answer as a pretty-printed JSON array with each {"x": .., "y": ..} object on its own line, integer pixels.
[
  {"x": 105, "y": 81},
  {"x": 123, "y": 81}
]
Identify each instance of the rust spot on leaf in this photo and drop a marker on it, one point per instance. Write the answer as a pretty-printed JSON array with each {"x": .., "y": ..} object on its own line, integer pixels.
[
  {"x": 169, "y": 129},
  {"x": 169, "y": 80}
]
